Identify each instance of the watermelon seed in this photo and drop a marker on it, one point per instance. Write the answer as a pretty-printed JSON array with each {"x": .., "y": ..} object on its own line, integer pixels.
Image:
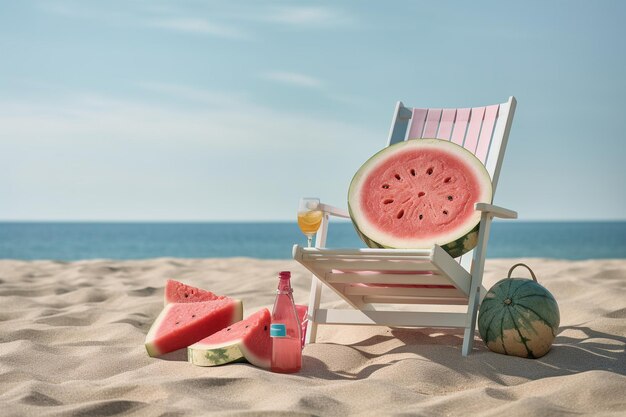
[
  {"x": 450, "y": 197},
  {"x": 429, "y": 171},
  {"x": 400, "y": 214},
  {"x": 447, "y": 180},
  {"x": 412, "y": 172},
  {"x": 445, "y": 212},
  {"x": 421, "y": 194},
  {"x": 193, "y": 316},
  {"x": 186, "y": 295},
  {"x": 265, "y": 328},
  {"x": 177, "y": 322},
  {"x": 388, "y": 201},
  {"x": 398, "y": 177},
  {"x": 247, "y": 326},
  {"x": 421, "y": 216},
  {"x": 385, "y": 186}
]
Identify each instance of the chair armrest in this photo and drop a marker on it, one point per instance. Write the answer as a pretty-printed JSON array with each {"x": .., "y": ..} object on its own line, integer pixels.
[
  {"x": 334, "y": 211},
  {"x": 496, "y": 211}
]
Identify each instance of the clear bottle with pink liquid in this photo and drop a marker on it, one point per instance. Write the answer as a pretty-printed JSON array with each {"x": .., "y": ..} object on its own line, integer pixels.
[{"x": 285, "y": 329}]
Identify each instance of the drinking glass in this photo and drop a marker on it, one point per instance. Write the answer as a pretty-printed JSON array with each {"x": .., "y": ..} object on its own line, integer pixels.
[{"x": 309, "y": 217}]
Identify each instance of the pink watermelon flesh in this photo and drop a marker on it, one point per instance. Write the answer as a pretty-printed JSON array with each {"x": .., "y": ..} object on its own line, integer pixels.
[
  {"x": 252, "y": 335},
  {"x": 433, "y": 185},
  {"x": 177, "y": 292},
  {"x": 181, "y": 324}
]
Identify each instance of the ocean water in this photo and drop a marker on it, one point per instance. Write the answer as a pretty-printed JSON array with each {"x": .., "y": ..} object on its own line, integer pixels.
[{"x": 74, "y": 241}]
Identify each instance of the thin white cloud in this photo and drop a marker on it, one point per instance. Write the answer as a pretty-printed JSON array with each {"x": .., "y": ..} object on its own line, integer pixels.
[
  {"x": 294, "y": 78},
  {"x": 194, "y": 95},
  {"x": 205, "y": 118},
  {"x": 229, "y": 21},
  {"x": 307, "y": 81},
  {"x": 197, "y": 26},
  {"x": 308, "y": 16},
  {"x": 150, "y": 15}
]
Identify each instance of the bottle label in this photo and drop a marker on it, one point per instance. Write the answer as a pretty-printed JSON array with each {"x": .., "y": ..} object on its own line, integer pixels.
[{"x": 278, "y": 330}]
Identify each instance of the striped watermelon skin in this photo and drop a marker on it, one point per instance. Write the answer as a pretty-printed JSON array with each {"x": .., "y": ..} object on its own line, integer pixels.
[{"x": 519, "y": 317}]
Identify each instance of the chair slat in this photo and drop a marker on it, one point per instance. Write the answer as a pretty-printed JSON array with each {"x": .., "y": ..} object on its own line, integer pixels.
[
  {"x": 460, "y": 125},
  {"x": 473, "y": 130},
  {"x": 382, "y": 265},
  {"x": 390, "y": 299},
  {"x": 417, "y": 123},
  {"x": 446, "y": 124},
  {"x": 408, "y": 279},
  {"x": 403, "y": 291},
  {"x": 489, "y": 121},
  {"x": 432, "y": 123},
  {"x": 363, "y": 252},
  {"x": 391, "y": 318}
]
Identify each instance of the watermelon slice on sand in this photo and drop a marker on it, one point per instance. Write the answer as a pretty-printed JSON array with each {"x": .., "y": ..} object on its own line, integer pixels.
[
  {"x": 248, "y": 340},
  {"x": 181, "y": 324},
  {"x": 419, "y": 193},
  {"x": 177, "y": 292}
]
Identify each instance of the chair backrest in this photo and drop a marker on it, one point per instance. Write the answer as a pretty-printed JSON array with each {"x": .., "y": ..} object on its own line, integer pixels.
[{"x": 484, "y": 131}]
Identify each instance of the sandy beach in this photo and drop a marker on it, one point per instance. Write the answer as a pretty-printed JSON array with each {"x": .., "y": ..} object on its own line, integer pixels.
[{"x": 72, "y": 334}]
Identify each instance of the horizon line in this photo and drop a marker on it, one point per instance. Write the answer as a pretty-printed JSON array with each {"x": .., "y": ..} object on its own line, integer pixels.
[{"x": 275, "y": 221}]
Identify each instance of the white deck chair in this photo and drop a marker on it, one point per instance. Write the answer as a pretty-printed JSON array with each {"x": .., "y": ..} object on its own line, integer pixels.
[{"x": 430, "y": 276}]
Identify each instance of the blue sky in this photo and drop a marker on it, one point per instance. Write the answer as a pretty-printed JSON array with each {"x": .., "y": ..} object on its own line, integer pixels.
[{"x": 194, "y": 110}]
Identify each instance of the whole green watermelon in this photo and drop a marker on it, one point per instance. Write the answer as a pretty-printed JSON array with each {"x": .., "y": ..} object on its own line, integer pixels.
[{"x": 519, "y": 317}]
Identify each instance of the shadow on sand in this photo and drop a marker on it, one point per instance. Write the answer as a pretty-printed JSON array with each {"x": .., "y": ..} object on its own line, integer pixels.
[{"x": 593, "y": 350}]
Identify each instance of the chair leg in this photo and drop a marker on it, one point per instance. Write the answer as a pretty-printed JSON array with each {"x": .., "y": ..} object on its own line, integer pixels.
[
  {"x": 314, "y": 304},
  {"x": 468, "y": 341},
  {"x": 468, "y": 335},
  {"x": 311, "y": 333},
  {"x": 478, "y": 265}
]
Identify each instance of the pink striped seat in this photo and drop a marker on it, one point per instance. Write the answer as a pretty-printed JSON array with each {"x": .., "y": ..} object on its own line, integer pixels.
[{"x": 470, "y": 128}]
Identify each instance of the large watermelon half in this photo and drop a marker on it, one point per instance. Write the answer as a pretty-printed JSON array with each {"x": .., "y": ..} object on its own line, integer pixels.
[
  {"x": 419, "y": 193},
  {"x": 177, "y": 292},
  {"x": 181, "y": 324},
  {"x": 248, "y": 340}
]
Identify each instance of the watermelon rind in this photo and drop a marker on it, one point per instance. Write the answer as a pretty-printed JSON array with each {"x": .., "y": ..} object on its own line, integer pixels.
[
  {"x": 519, "y": 317},
  {"x": 463, "y": 244},
  {"x": 214, "y": 355},
  {"x": 456, "y": 241},
  {"x": 201, "y": 327}
]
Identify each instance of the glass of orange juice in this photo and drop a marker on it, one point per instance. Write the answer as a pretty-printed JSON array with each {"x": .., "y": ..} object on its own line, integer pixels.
[{"x": 309, "y": 217}]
